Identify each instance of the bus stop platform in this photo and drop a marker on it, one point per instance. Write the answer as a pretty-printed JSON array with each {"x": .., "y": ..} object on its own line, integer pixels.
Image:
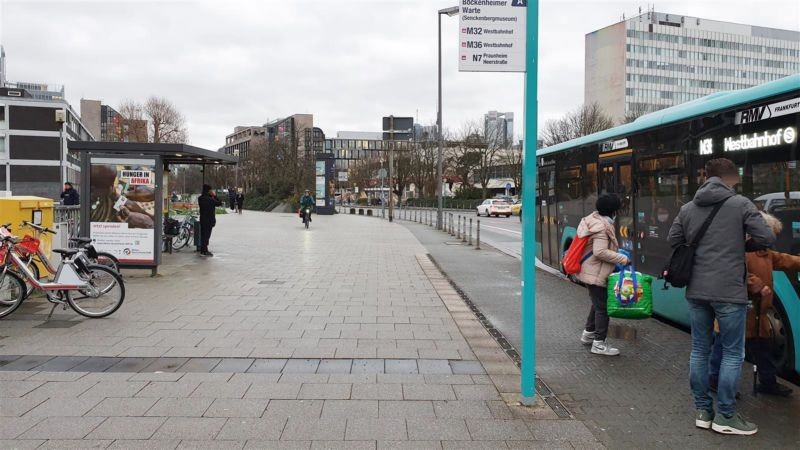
[
  {"x": 640, "y": 399},
  {"x": 342, "y": 336}
]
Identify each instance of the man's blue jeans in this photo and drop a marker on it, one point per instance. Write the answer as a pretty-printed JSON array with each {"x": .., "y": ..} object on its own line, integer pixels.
[{"x": 731, "y": 318}]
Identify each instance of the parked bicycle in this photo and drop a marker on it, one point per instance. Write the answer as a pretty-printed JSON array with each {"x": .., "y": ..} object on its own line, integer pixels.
[
  {"x": 185, "y": 233},
  {"x": 92, "y": 290},
  {"x": 30, "y": 250}
]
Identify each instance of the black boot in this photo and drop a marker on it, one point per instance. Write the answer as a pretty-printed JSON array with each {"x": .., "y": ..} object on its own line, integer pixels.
[{"x": 775, "y": 389}]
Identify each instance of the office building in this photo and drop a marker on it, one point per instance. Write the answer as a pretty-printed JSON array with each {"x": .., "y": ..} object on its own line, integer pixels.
[
  {"x": 243, "y": 138},
  {"x": 297, "y": 130},
  {"x": 359, "y": 135},
  {"x": 33, "y": 143},
  {"x": 656, "y": 60},
  {"x": 111, "y": 126},
  {"x": 498, "y": 128},
  {"x": 2, "y": 66}
]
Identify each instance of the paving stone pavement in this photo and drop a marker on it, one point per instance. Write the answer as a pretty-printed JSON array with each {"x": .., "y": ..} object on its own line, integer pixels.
[
  {"x": 640, "y": 399},
  {"x": 342, "y": 336}
]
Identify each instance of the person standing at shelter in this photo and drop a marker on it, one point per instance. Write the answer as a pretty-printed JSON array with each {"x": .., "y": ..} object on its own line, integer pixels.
[
  {"x": 717, "y": 289},
  {"x": 70, "y": 196},
  {"x": 208, "y": 203},
  {"x": 601, "y": 259}
]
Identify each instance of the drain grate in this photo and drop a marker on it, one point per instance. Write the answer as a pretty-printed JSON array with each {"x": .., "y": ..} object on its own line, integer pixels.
[{"x": 541, "y": 388}]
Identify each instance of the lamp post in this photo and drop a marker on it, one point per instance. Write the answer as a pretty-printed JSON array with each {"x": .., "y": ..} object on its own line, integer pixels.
[{"x": 450, "y": 12}]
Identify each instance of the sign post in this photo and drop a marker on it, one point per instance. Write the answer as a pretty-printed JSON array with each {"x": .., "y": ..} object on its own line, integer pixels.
[
  {"x": 501, "y": 36},
  {"x": 528, "y": 331}
]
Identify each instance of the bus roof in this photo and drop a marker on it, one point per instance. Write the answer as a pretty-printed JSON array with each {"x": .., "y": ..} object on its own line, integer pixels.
[{"x": 710, "y": 103}]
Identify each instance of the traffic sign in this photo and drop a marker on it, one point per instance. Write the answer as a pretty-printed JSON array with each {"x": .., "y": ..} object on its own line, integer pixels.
[
  {"x": 382, "y": 173},
  {"x": 492, "y": 35},
  {"x": 508, "y": 186}
]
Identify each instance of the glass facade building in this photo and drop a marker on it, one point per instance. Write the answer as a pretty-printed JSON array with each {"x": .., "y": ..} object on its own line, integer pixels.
[{"x": 656, "y": 60}]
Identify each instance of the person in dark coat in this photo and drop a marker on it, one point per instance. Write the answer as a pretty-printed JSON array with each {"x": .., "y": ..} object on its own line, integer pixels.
[
  {"x": 70, "y": 196},
  {"x": 717, "y": 289},
  {"x": 208, "y": 203},
  {"x": 240, "y": 201},
  {"x": 232, "y": 198}
]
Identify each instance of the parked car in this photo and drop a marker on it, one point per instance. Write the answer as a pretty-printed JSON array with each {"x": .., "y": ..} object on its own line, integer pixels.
[{"x": 494, "y": 207}]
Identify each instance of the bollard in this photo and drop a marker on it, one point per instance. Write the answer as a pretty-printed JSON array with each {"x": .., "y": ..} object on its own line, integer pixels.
[
  {"x": 478, "y": 236},
  {"x": 470, "y": 231},
  {"x": 458, "y": 228},
  {"x": 464, "y": 232}
]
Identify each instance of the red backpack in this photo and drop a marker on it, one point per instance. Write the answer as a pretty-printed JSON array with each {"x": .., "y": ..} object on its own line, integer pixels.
[{"x": 574, "y": 257}]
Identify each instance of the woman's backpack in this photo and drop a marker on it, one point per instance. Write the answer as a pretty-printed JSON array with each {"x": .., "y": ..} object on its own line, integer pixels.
[{"x": 574, "y": 257}]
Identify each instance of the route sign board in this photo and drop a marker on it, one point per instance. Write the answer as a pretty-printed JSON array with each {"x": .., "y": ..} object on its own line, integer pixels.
[{"x": 492, "y": 35}]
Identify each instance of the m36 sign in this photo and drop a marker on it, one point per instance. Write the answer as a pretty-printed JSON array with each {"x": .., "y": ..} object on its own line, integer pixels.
[{"x": 491, "y": 35}]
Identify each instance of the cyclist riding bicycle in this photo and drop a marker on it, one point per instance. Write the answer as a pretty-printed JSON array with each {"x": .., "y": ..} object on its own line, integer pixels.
[{"x": 306, "y": 201}]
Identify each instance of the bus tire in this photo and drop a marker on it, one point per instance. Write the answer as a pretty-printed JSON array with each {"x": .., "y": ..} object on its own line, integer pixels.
[{"x": 782, "y": 346}]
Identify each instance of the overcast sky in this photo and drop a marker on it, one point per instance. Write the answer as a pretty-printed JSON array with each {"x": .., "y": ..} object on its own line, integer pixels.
[{"x": 349, "y": 62}]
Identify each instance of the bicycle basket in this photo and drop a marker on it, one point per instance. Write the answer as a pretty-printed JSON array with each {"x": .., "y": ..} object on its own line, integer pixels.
[{"x": 28, "y": 246}]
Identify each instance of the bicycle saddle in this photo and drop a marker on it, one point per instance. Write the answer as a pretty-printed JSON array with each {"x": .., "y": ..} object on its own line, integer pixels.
[
  {"x": 66, "y": 251},
  {"x": 81, "y": 240}
]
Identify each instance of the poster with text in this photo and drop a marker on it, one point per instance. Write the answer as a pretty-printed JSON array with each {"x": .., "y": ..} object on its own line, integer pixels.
[{"x": 122, "y": 208}]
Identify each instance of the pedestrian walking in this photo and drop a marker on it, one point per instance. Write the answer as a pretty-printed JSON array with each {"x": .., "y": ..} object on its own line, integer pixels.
[
  {"x": 717, "y": 289},
  {"x": 208, "y": 203},
  {"x": 70, "y": 196},
  {"x": 601, "y": 259},
  {"x": 239, "y": 201},
  {"x": 760, "y": 265}
]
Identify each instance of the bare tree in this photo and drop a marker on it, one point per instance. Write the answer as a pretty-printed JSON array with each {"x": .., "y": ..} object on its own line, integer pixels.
[
  {"x": 587, "y": 119},
  {"x": 512, "y": 157},
  {"x": 167, "y": 124},
  {"x": 636, "y": 110},
  {"x": 133, "y": 124}
]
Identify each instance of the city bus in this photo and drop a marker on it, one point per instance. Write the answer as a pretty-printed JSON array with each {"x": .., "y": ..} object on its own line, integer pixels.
[{"x": 656, "y": 163}]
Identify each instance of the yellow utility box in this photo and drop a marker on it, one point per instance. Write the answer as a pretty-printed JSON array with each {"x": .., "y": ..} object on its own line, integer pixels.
[{"x": 38, "y": 210}]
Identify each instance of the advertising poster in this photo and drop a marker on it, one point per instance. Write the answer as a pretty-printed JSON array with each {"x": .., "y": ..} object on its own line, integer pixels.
[
  {"x": 319, "y": 194},
  {"x": 122, "y": 209}
]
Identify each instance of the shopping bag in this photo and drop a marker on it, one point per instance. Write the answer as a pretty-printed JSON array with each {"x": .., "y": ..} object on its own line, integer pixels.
[{"x": 630, "y": 294}]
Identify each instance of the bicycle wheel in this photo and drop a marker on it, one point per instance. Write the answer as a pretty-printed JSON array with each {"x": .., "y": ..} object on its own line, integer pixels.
[
  {"x": 29, "y": 287},
  {"x": 108, "y": 260},
  {"x": 12, "y": 292},
  {"x": 182, "y": 239},
  {"x": 107, "y": 298}
]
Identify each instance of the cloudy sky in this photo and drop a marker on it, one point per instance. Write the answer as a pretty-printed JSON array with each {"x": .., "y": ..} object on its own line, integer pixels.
[{"x": 349, "y": 62}]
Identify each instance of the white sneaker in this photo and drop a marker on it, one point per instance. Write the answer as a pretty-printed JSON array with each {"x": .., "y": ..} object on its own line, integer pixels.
[
  {"x": 587, "y": 337},
  {"x": 602, "y": 348}
]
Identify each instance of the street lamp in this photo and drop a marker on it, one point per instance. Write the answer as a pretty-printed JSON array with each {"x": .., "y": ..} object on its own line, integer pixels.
[{"x": 450, "y": 12}]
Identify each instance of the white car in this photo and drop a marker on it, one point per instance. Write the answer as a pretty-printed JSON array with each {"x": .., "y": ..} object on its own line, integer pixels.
[
  {"x": 494, "y": 207},
  {"x": 768, "y": 202}
]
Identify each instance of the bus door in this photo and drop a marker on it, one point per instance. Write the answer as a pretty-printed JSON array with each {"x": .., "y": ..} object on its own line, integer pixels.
[
  {"x": 616, "y": 177},
  {"x": 547, "y": 216}
]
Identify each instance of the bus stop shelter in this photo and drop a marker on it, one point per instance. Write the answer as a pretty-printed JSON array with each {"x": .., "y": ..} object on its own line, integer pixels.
[{"x": 124, "y": 190}]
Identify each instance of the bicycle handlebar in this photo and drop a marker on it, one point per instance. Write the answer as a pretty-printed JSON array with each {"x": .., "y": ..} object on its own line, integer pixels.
[{"x": 37, "y": 227}]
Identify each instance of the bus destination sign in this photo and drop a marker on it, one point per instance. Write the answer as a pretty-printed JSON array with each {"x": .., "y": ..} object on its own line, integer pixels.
[{"x": 492, "y": 35}]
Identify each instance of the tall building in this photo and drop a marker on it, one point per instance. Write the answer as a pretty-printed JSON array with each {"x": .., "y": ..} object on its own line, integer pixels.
[
  {"x": 33, "y": 143},
  {"x": 2, "y": 66},
  {"x": 656, "y": 60},
  {"x": 297, "y": 130},
  {"x": 498, "y": 128}
]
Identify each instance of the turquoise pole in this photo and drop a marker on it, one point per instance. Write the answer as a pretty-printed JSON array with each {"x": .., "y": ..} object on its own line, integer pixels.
[{"x": 528, "y": 314}]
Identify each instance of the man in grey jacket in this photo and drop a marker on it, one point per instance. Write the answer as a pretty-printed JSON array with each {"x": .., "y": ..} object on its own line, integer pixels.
[{"x": 717, "y": 289}]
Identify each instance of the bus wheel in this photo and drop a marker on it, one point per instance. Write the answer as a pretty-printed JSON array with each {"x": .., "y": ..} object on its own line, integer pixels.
[{"x": 781, "y": 351}]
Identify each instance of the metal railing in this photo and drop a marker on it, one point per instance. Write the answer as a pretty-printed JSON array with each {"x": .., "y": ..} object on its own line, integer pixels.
[{"x": 69, "y": 215}]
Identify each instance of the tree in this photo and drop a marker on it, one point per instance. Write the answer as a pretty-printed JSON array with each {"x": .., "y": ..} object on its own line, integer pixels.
[
  {"x": 167, "y": 124},
  {"x": 587, "y": 119},
  {"x": 636, "y": 110},
  {"x": 512, "y": 157},
  {"x": 157, "y": 121}
]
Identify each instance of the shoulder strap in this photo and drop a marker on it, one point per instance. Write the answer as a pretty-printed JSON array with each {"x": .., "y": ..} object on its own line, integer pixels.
[{"x": 707, "y": 223}]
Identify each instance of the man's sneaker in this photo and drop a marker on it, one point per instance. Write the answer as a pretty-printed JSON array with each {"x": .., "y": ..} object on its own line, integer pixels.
[
  {"x": 776, "y": 389},
  {"x": 703, "y": 419},
  {"x": 734, "y": 424},
  {"x": 587, "y": 337},
  {"x": 209, "y": 254},
  {"x": 602, "y": 348}
]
